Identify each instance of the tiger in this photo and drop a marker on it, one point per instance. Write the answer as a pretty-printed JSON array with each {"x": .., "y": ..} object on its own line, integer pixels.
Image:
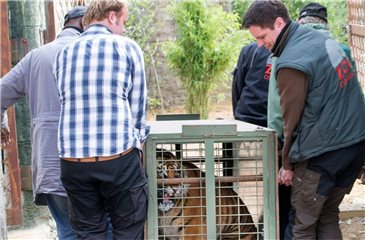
[{"x": 181, "y": 215}]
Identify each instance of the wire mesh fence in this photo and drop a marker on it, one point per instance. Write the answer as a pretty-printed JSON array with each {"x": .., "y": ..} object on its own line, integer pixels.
[
  {"x": 357, "y": 36},
  {"x": 182, "y": 186}
]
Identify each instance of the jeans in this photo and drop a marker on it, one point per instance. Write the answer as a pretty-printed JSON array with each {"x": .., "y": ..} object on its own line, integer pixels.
[{"x": 58, "y": 207}]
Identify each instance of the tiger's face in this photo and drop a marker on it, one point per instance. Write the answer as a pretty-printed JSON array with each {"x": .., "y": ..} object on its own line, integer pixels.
[{"x": 168, "y": 194}]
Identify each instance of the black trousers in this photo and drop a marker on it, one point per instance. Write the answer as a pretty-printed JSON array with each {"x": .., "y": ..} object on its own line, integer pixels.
[
  {"x": 284, "y": 209},
  {"x": 116, "y": 186}
]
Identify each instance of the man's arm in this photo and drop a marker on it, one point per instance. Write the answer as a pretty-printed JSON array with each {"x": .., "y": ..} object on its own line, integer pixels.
[
  {"x": 12, "y": 88},
  {"x": 292, "y": 86},
  {"x": 13, "y": 85},
  {"x": 238, "y": 82},
  {"x": 293, "y": 93},
  {"x": 138, "y": 93}
]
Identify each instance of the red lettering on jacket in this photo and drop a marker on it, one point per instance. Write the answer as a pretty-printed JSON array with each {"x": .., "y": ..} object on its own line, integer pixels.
[
  {"x": 267, "y": 71},
  {"x": 344, "y": 72}
]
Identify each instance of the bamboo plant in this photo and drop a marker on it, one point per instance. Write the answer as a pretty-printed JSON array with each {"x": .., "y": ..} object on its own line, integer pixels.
[{"x": 206, "y": 47}]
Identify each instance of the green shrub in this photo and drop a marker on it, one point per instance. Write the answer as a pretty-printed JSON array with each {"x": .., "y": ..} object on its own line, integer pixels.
[{"x": 205, "y": 49}]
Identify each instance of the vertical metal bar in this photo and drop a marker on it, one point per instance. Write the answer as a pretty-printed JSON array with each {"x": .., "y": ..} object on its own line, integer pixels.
[
  {"x": 270, "y": 187},
  {"x": 178, "y": 150},
  {"x": 210, "y": 189},
  {"x": 14, "y": 214},
  {"x": 227, "y": 156},
  {"x": 151, "y": 163}
]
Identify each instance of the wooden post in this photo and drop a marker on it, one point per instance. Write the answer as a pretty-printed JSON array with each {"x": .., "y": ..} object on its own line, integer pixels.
[
  {"x": 50, "y": 22},
  {"x": 14, "y": 213}
]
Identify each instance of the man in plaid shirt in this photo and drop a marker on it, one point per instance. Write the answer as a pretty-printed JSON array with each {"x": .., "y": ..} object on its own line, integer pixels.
[{"x": 102, "y": 88}]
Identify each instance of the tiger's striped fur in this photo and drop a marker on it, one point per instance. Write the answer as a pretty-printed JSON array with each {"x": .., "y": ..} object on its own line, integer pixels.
[{"x": 182, "y": 208}]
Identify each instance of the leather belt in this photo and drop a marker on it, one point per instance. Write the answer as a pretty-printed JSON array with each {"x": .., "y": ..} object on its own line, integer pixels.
[{"x": 98, "y": 159}]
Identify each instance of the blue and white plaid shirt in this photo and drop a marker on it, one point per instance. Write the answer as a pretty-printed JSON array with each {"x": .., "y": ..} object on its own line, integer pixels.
[{"x": 101, "y": 83}]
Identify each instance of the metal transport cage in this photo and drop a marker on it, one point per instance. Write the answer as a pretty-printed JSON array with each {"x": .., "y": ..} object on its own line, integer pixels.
[{"x": 211, "y": 179}]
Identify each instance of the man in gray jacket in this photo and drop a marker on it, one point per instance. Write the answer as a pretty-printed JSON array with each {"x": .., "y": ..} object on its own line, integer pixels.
[{"x": 33, "y": 77}]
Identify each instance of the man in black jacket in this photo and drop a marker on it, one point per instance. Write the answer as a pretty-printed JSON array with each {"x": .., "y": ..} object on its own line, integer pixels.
[{"x": 250, "y": 85}]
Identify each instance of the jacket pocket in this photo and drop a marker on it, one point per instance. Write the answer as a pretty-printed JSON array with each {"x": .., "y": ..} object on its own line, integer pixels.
[
  {"x": 139, "y": 199},
  {"x": 130, "y": 207}
]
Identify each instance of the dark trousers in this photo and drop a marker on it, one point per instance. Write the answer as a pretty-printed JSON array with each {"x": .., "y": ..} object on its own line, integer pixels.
[
  {"x": 284, "y": 209},
  {"x": 116, "y": 186},
  {"x": 319, "y": 186}
]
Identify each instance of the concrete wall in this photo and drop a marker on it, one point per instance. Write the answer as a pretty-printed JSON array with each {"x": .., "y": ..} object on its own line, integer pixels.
[{"x": 169, "y": 83}]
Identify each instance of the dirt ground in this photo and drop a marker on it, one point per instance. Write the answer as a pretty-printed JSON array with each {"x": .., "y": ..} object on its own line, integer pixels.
[
  {"x": 353, "y": 228},
  {"x": 354, "y": 204}
]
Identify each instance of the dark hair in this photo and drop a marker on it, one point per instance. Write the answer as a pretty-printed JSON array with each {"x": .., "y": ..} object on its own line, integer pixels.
[{"x": 263, "y": 13}]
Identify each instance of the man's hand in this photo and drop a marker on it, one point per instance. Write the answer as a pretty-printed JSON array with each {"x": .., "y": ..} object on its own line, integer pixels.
[
  {"x": 285, "y": 177},
  {"x": 5, "y": 138}
]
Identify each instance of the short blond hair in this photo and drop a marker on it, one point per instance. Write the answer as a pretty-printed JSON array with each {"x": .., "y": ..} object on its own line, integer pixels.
[{"x": 99, "y": 9}]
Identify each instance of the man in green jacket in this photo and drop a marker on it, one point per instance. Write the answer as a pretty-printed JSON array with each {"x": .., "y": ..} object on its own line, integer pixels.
[
  {"x": 312, "y": 15},
  {"x": 323, "y": 109}
]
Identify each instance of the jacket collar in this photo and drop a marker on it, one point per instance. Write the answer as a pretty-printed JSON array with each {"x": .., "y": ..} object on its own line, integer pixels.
[
  {"x": 76, "y": 28},
  {"x": 282, "y": 38},
  {"x": 97, "y": 29},
  {"x": 69, "y": 31}
]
